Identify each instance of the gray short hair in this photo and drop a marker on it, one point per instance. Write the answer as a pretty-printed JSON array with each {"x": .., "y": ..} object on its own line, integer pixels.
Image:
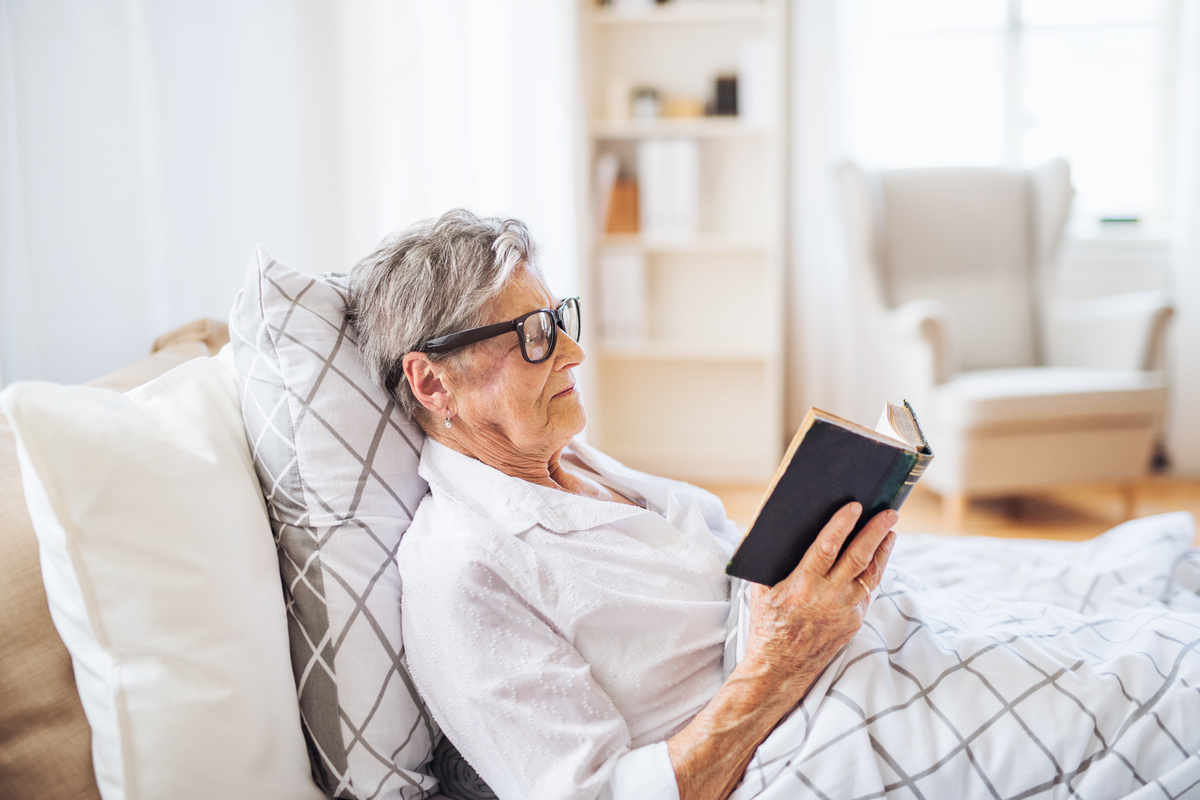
[{"x": 433, "y": 279}]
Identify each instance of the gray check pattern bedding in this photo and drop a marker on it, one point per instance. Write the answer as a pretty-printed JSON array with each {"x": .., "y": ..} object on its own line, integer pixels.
[{"x": 998, "y": 668}]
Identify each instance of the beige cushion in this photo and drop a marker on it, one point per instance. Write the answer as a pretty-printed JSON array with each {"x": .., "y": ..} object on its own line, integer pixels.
[{"x": 45, "y": 741}]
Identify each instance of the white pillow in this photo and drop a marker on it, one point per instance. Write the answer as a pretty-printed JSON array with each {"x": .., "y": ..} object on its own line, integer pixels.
[
  {"x": 337, "y": 460},
  {"x": 163, "y": 583}
]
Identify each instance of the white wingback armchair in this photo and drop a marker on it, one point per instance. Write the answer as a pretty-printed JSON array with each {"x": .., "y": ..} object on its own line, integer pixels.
[{"x": 1018, "y": 390}]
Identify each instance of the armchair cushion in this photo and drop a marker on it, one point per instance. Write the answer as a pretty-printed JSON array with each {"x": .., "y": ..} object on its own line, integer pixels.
[
  {"x": 1004, "y": 431},
  {"x": 1046, "y": 398}
]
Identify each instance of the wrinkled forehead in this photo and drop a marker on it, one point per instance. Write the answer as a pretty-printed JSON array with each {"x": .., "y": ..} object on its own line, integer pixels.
[{"x": 525, "y": 291}]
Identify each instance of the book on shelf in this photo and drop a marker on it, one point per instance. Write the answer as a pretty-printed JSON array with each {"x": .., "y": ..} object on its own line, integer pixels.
[
  {"x": 616, "y": 197},
  {"x": 623, "y": 207},
  {"x": 830, "y": 462}
]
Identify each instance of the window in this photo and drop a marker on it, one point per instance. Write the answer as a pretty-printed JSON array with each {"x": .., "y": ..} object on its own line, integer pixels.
[{"x": 1015, "y": 82}]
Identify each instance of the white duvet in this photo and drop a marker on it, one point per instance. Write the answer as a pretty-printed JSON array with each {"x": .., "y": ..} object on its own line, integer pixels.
[{"x": 999, "y": 668}]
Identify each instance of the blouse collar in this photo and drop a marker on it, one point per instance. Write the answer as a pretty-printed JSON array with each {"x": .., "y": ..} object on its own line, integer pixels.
[{"x": 516, "y": 505}]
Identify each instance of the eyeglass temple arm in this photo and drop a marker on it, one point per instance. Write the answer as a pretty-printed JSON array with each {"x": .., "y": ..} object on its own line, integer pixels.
[
  {"x": 443, "y": 344},
  {"x": 453, "y": 341}
]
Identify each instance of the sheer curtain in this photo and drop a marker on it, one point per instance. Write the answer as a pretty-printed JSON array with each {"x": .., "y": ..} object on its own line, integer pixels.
[
  {"x": 829, "y": 366},
  {"x": 470, "y": 103},
  {"x": 1183, "y": 433},
  {"x": 146, "y": 146}
]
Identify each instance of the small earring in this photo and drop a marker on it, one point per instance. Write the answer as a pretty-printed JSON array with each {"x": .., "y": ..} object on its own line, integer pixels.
[{"x": 448, "y": 423}]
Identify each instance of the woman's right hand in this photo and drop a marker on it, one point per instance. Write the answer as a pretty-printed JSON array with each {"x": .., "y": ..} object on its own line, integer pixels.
[
  {"x": 796, "y": 628},
  {"x": 798, "y": 625}
]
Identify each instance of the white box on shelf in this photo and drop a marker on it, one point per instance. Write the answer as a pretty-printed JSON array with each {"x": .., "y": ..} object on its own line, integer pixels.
[
  {"x": 669, "y": 182},
  {"x": 756, "y": 85},
  {"x": 622, "y": 274},
  {"x": 607, "y": 168}
]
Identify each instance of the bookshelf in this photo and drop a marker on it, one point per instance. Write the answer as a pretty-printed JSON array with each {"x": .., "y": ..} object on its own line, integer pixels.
[{"x": 686, "y": 335}]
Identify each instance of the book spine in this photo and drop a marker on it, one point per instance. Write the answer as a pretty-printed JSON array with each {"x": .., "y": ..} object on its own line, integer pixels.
[{"x": 914, "y": 475}]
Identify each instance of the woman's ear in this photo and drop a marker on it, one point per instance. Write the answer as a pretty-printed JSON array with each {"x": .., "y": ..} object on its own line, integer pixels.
[{"x": 425, "y": 378}]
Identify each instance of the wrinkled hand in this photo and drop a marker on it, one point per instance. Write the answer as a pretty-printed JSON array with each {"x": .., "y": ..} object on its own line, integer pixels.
[{"x": 798, "y": 625}]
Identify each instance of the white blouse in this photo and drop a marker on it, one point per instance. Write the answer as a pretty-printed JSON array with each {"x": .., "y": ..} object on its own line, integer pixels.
[{"x": 560, "y": 640}]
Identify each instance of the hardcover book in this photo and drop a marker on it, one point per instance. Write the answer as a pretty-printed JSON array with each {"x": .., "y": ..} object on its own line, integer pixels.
[{"x": 830, "y": 462}]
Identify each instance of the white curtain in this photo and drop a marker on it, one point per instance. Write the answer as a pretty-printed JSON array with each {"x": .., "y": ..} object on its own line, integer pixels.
[
  {"x": 829, "y": 365},
  {"x": 1183, "y": 432},
  {"x": 147, "y": 145}
]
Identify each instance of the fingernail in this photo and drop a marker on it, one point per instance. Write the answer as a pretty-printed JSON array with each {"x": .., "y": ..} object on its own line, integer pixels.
[{"x": 892, "y": 516}]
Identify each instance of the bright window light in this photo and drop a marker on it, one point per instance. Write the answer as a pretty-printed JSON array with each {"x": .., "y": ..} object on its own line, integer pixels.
[{"x": 1012, "y": 82}]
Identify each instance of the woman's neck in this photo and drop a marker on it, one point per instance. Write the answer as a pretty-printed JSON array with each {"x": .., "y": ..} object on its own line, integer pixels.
[
  {"x": 499, "y": 453},
  {"x": 547, "y": 469}
]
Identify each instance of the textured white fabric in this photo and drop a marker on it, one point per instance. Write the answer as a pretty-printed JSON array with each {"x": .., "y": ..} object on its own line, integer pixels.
[
  {"x": 162, "y": 581},
  {"x": 518, "y": 603},
  {"x": 643, "y": 773}
]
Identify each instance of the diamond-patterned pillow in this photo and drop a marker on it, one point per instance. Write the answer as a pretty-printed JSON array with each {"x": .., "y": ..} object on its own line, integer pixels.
[{"x": 338, "y": 465}]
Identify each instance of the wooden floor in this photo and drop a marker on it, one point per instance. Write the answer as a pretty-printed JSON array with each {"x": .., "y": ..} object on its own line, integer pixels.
[{"x": 1071, "y": 515}]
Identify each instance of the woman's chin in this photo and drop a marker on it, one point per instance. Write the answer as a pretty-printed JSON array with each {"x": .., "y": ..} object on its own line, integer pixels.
[{"x": 571, "y": 419}]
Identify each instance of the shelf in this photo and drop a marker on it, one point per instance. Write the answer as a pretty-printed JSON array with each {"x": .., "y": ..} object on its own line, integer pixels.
[
  {"x": 696, "y": 245},
  {"x": 673, "y": 13},
  {"x": 708, "y": 300},
  {"x": 703, "y": 127},
  {"x": 685, "y": 353}
]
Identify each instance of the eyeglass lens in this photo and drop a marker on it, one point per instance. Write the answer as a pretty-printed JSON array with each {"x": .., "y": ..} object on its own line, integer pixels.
[
  {"x": 570, "y": 318},
  {"x": 538, "y": 329},
  {"x": 538, "y": 334}
]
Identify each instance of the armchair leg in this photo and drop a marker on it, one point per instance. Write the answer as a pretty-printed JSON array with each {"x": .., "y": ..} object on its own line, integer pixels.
[{"x": 954, "y": 511}]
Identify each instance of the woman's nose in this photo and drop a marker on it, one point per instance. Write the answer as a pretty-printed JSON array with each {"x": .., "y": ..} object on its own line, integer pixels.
[{"x": 568, "y": 350}]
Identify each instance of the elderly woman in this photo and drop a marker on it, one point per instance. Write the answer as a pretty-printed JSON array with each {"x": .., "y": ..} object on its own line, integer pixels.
[{"x": 565, "y": 617}]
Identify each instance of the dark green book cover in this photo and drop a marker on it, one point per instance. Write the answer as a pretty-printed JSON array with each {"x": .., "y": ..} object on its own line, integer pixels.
[{"x": 830, "y": 462}]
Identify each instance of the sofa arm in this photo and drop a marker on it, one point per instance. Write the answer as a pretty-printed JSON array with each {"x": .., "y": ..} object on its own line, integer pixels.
[
  {"x": 1125, "y": 331},
  {"x": 923, "y": 339},
  {"x": 211, "y": 333}
]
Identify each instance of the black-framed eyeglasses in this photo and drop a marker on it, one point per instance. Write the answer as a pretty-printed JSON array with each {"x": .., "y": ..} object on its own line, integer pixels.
[{"x": 537, "y": 332}]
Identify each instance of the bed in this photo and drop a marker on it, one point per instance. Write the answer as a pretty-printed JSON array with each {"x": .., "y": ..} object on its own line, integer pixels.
[{"x": 986, "y": 668}]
